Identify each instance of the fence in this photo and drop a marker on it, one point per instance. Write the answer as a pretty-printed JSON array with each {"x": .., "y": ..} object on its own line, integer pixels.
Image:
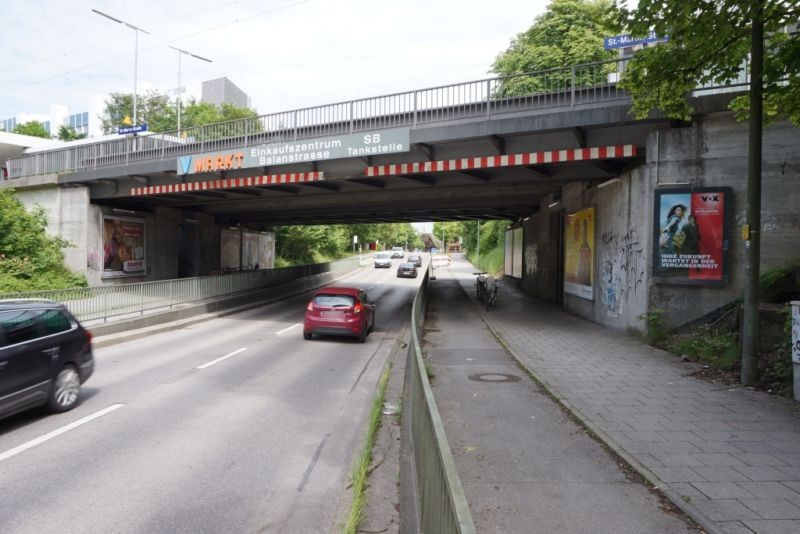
[
  {"x": 106, "y": 302},
  {"x": 560, "y": 87},
  {"x": 441, "y": 503}
]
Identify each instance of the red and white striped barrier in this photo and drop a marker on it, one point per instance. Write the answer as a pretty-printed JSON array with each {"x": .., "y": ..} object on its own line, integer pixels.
[
  {"x": 509, "y": 160},
  {"x": 230, "y": 183}
]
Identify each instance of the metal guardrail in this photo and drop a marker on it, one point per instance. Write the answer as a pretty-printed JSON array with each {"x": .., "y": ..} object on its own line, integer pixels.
[
  {"x": 551, "y": 88},
  {"x": 442, "y": 505},
  {"x": 106, "y": 302}
]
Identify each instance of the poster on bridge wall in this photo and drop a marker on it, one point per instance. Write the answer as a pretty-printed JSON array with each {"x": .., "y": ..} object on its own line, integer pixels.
[
  {"x": 230, "y": 249},
  {"x": 123, "y": 247},
  {"x": 579, "y": 250},
  {"x": 690, "y": 236}
]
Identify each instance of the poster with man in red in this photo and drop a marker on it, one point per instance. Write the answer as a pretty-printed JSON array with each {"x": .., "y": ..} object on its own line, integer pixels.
[{"x": 691, "y": 236}]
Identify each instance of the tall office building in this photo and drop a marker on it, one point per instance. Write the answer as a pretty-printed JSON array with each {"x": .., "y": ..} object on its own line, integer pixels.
[{"x": 222, "y": 90}]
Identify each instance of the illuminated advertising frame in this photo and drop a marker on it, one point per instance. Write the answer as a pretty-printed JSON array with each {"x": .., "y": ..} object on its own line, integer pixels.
[
  {"x": 124, "y": 246},
  {"x": 690, "y": 235},
  {"x": 579, "y": 251}
]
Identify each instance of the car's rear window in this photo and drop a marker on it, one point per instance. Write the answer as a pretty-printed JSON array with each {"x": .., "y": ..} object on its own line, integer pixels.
[
  {"x": 414, "y": 258},
  {"x": 382, "y": 256},
  {"x": 407, "y": 266},
  {"x": 334, "y": 301}
]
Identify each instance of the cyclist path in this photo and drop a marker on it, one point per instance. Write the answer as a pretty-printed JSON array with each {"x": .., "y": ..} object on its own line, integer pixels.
[
  {"x": 525, "y": 465},
  {"x": 729, "y": 456}
]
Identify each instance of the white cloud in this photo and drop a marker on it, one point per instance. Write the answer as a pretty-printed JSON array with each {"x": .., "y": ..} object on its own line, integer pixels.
[{"x": 312, "y": 53}]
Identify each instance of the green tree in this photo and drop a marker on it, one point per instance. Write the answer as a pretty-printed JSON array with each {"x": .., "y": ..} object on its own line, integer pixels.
[
  {"x": 30, "y": 258},
  {"x": 709, "y": 43},
  {"x": 32, "y": 128},
  {"x": 570, "y": 32},
  {"x": 161, "y": 113},
  {"x": 65, "y": 133}
]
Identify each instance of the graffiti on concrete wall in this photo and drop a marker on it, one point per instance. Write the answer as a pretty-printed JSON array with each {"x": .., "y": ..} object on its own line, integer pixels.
[
  {"x": 531, "y": 260},
  {"x": 622, "y": 269},
  {"x": 93, "y": 260}
]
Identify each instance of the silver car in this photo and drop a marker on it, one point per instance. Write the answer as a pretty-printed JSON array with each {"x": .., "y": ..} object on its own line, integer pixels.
[{"x": 382, "y": 259}]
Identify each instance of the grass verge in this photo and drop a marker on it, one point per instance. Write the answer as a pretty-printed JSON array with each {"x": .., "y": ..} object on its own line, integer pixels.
[
  {"x": 491, "y": 260},
  {"x": 361, "y": 469}
]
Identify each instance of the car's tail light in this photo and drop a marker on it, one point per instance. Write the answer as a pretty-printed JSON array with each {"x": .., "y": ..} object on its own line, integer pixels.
[
  {"x": 357, "y": 308},
  {"x": 310, "y": 306},
  {"x": 88, "y": 337}
]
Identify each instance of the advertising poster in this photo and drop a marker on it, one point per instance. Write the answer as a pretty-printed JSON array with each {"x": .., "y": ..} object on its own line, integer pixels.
[
  {"x": 690, "y": 236},
  {"x": 250, "y": 250},
  {"x": 579, "y": 250},
  {"x": 265, "y": 251},
  {"x": 123, "y": 247},
  {"x": 230, "y": 249}
]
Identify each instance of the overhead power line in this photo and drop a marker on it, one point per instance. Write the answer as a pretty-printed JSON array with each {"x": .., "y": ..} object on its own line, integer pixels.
[{"x": 165, "y": 43}]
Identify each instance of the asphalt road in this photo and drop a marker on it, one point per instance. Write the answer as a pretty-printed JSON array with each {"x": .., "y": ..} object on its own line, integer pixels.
[{"x": 231, "y": 425}]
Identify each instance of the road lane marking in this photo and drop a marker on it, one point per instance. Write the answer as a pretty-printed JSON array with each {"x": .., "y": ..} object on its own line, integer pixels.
[
  {"x": 229, "y": 355},
  {"x": 57, "y": 432},
  {"x": 287, "y": 329}
]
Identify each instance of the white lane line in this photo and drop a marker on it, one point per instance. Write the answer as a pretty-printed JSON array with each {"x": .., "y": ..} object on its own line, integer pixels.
[
  {"x": 287, "y": 329},
  {"x": 57, "y": 432},
  {"x": 212, "y": 362}
]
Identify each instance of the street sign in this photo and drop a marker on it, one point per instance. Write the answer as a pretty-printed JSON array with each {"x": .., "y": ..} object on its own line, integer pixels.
[
  {"x": 622, "y": 41},
  {"x": 122, "y": 130}
]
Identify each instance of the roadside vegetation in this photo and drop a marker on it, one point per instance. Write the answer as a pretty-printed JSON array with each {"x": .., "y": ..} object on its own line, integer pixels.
[
  {"x": 30, "y": 259},
  {"x": 361, "y": 469},
  {"x": 492, "y": 251},
  {"x": 714, "y": 341},
  {"x": 297, "y": 245}
]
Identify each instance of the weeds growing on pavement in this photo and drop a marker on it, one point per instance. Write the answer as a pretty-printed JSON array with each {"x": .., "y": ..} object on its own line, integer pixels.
[
  {"x": 361, "y": 469},
  {"x": 655, "y": 326}
]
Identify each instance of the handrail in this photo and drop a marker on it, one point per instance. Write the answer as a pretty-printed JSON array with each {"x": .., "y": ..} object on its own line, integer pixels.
[
  {"x": 560, "y": 87},
  {"x": 125, "y": 300},
  {"x": 442, "y": 503}
]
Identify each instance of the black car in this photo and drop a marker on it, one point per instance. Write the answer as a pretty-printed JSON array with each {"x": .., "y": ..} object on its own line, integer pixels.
[
  {"x": 416, "y": 259},
  {"x": 45, "y": 356},
  {"x": 407, "y": 270}
]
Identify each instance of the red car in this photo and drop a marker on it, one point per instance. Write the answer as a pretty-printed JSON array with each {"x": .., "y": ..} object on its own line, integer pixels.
[{"x": 340, "y": 311}]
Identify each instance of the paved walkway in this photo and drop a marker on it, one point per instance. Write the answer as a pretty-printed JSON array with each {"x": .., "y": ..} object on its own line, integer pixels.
[
  {"x": 526, "y": 467},
  {"x": 727, "y": 455}
]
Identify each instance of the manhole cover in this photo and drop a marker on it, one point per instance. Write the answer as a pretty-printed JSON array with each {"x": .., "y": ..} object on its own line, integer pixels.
[{"x": 493, "y": 377}]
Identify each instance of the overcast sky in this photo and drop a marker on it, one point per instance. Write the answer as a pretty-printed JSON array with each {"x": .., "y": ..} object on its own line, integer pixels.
[{"x": 284, "y": 53}]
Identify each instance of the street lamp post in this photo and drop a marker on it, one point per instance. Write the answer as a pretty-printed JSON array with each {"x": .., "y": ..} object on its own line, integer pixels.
[
  {"x": 180, "y": 53},
  {"x": 136, "y": 30}
]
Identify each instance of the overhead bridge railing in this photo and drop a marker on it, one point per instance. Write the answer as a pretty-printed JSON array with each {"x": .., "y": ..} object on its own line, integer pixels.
[
  {"x": 552, "y": 88},
  {"x": 122, "y": 301},
  {"x": 564, "y": 87}
]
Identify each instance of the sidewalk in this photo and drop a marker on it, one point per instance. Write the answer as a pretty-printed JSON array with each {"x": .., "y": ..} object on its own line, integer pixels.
[{"x": 729, "y": 456}]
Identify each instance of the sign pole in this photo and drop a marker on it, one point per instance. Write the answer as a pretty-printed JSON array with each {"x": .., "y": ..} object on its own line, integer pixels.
[{"x": 796, "y": 347}]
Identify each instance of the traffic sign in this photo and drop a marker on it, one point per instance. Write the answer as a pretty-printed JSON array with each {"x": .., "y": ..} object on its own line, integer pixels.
[{"x": 132, "y": 129}]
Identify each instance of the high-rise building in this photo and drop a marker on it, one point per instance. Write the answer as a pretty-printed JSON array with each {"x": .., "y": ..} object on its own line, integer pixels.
[
  {"x": 222, "y": 90},
  {"x": 84, "y": 122}
]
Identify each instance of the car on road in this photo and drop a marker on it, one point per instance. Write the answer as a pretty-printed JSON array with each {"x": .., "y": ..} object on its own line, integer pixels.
[
  {"x": 398, "y": 252},
  {"x": 45, "y": 356},
  {"x": 382, "y": 259},
  {"x": 339, "y": 311},
  {"x": 416, "y": 259},
  {"x": 407, "y": 270}
]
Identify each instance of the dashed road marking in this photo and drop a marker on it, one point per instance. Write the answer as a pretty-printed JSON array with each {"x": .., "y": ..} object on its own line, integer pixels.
[{"x": 222, "y": 358}]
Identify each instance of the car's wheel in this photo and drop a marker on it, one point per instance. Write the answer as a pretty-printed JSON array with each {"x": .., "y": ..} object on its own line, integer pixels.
[
  {"x": 362, "y": 337},
  {"x": 65, "y": 390},
  {"x": 307, "y": 335}
]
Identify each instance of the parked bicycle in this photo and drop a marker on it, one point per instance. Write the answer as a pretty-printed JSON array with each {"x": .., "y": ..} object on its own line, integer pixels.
[
  {"x": 480, "y": 285},
  {"x": 490, "y": 292}
]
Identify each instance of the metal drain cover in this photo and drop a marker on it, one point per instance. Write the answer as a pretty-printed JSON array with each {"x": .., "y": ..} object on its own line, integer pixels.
[{"x": 493, "y": 377}]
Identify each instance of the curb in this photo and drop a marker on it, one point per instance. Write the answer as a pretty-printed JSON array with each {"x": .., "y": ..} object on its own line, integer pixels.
[
  {"x": 690, "y": 510},
  {"x": 139, "y": 333}
]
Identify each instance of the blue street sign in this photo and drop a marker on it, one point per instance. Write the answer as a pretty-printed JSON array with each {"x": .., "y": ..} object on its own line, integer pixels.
[
  {"x": 132, "y": 129},
  {"x": 621, "y": 41}
]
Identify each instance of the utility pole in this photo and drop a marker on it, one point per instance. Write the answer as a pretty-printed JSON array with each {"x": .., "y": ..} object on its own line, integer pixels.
[
  {"x": 478, "y": 260},
  {"x": 752, "y": 229},
  {"x": 136, "y": 30},
  {"x": 180, "y": 53}
]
